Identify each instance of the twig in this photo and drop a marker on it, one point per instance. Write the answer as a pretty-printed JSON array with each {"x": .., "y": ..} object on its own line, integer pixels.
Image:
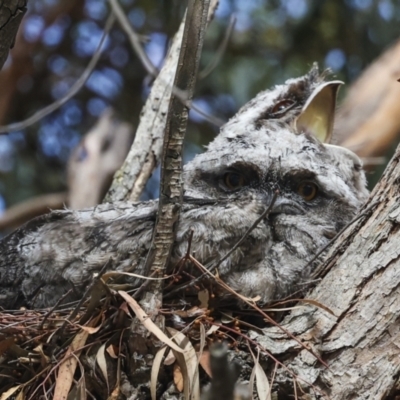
[
  {"x": 53, "y": 308},
  {"x": 243, "y": 238},
  {"x": 270, "y": 355},
  {"x": 133, "y": 37},
  {"x": 252, "y": 304},
  {"x": 85, "y": 295},
  {"x": 23, "y": 212},
  {"x": 236, "y": 245},
  {"x": 145, "y": 153},
  {"x": 143, "y": 286},
  {"x": 191, "y": 232},
  {"x": 317, "y": 272},
  {"x": 76, "y": 87},
  {"x": 150, "y": 68},
  {"x": 220, "y": 51}
]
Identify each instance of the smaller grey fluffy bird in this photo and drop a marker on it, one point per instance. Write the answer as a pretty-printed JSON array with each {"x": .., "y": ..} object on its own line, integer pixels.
[{"x": 272, "y": 144}]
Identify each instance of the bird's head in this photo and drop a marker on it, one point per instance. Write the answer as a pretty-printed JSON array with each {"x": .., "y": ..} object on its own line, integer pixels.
[{"x": 277, "y": 141}]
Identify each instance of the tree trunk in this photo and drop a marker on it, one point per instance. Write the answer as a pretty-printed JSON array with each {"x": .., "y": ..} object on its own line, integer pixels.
[{"x": 360, "y": 281}]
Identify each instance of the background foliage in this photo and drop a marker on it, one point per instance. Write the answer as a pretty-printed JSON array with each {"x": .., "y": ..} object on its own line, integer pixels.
[{"x": 272, "y": 41}]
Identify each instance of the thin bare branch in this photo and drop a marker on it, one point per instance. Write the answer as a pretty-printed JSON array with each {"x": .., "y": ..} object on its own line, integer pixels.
[
  {"x": 150, "y": 68},
  {"x": 133, "y": 37},
  {"x": 213, "y": 267},
  {"x": 220, "y": 51},
  {"x": 76, "y": 87},
  {"x": 23, "y": 212},
  {"x": 247, "y": 233}
]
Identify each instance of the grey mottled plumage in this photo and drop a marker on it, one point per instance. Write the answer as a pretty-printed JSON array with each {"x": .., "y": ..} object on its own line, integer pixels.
[{"x": 227, "y": 188}]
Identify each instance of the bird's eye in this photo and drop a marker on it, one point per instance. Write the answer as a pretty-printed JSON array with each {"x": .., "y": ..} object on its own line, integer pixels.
[
  {"x": 307, "y": 190},
  {"x": 282, "y": 106},
  {"x": 233, "y": 180}
]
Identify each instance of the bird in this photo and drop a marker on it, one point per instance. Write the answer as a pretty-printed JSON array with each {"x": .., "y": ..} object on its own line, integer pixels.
[{"x": 272, "y": 155}]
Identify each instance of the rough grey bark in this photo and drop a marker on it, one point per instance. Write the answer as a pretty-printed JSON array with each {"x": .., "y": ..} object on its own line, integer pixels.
[
  {"x": 361, "y": 343},
  {"x": 171, "y": 190},
  {"x": 11, "y": 13}
]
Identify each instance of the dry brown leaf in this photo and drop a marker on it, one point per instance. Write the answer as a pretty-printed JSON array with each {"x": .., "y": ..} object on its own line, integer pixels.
[
  {"x": 170, "y": 359},
  {"x": 68, "y": 366},
  {"x": 178, "y": 377},
  {"x": 227, "y": 317},
  {"x": 111, "y": 351},
  {"x": 213, "y": 328},
  {"x": 188, "y": 363},
  {"x": 205, "y": 362},
  {"x": 20, "y": 396},
  {"x": 89, "y": 329},
  {"x": 124, "y": 307},
  {"x": 5, "y": 345},
  {"x": 203, "y": 297},
  {"x": 115, "y": 394},
  {"x": 262, "y": 384},
  {"x": 148, "y": 323},
  {"x": 155, "y": 369},
  {"x": 102, "y": 362},
  {"x": 202, "y": 345},
  {"x": 45, "y": 360},
  {"x": 10, "y": 392}
]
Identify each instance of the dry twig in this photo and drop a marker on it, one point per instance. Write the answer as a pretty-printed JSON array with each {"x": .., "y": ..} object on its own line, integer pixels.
[{"x": 76, "y": 87}]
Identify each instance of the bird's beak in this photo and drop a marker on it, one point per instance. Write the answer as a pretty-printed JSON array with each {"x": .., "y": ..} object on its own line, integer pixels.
[{"x": 317, "y": 115}]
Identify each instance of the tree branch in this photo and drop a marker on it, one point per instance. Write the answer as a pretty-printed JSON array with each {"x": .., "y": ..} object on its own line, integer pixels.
[
  {"x": 76, "y": 87},
  {"x": 94, "y": 161},
  {"x": 22, "y": 212},
  {"x": 171, "y": 167}
]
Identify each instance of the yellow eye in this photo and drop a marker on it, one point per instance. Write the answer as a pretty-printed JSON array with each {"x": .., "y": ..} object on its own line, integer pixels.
[
  {"x": 307, "y": 190},
  {"x": 233, "y": 180},
  {"x": 282, "y": 106}
]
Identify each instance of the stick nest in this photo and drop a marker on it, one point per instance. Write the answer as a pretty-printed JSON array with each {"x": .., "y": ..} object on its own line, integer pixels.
[{"x": 107, "y": 347}]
